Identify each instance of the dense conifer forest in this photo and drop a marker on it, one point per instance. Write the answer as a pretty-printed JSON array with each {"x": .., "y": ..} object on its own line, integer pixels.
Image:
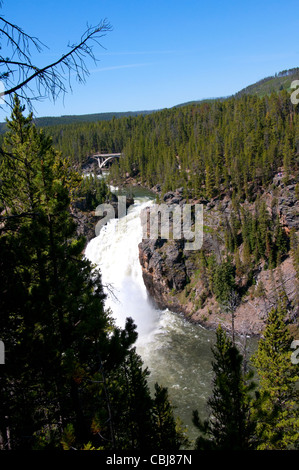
[
  {"x": 234, "y": 146},
  {"x": 70, "y": 378},
  {"x": 74, "y": 380},
  {"x": 214, "y": 149}
]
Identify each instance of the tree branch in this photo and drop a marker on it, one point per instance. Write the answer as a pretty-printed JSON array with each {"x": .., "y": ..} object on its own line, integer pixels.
[{"x": 49, "y": 81}]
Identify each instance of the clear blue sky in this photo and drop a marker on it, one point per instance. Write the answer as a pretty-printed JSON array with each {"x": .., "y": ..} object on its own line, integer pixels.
[{"x": 162, "y": 53}]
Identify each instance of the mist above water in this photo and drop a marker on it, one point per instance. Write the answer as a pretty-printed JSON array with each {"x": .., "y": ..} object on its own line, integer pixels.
[{"x": 177, "y": 353}]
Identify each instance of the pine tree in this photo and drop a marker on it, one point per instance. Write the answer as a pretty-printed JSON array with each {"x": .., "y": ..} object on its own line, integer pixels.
[
  {"x": 279, "y": 427},
  {"x": 224, "y": 281},
  {"x": 238, "y": 263},
  {"x": 170, "y": 436},
  {"x": 209, "y": 181},
  {"x": 69, "y": 371},
  {"x": 52, "y": 329},
  {"x": 229, "y": 425}
]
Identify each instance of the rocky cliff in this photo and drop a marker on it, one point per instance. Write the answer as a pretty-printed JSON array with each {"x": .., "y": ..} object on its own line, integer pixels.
[
  {"x": 86, "y": 220},
  {"x": 174, "y": 278}
]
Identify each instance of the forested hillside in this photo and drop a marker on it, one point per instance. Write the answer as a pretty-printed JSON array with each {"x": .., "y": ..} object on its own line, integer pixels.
[
  {"x": 241, "y": 153},
  {"x": 71, "y": 379},
  {"x": 279, "y": 81},
  {"x": 73, "y": 119},
  {"x": 240, "y": 158},
  {"x": 236, "y": 145},
  {"x": 74, "y": 380}
]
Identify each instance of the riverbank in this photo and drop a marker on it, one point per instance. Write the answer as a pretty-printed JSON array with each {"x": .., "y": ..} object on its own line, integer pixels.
[
  {"x": 172, "y": 275},
  {"x": 173, "y": 282}
]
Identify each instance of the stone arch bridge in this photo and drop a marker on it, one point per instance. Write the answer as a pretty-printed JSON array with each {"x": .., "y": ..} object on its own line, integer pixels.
[{"x": 104, "y": 158}]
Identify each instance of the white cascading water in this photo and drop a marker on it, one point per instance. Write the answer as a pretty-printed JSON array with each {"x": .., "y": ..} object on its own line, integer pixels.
[
  {"x": 177, "y": 353},
  {"x": 115, "y": 252}
]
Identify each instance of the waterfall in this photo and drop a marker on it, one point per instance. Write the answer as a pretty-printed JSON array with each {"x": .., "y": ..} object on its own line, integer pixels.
[
  {"x": 115, "y": 252},
  {"x": 177, "y": 353}
]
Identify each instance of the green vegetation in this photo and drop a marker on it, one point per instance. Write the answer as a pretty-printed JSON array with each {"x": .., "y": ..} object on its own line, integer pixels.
[
  {"x": 230, "y": 425},
  {"x": 278, "y": 424},
  {"x": 71, "y": 378},
  {"x": 93, "y": 191},
  {"x": 266, "y": 86},
  {"x": 244, "y": 415},
  {"x": 233, "y": 147},
  {"x": 74, "y": 380},
  {"x": 260, "y": 232}
]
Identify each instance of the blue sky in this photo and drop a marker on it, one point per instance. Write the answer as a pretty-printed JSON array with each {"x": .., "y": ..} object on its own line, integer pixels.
[{"x": 162, "y": 53}]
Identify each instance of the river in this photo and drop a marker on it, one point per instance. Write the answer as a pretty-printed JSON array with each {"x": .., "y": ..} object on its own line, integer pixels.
[{"x": 177, "y": 353}]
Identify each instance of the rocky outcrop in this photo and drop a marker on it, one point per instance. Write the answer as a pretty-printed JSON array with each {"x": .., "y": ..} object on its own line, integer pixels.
[
  {"x": 90, "y": 166},
  {"x": 164, "y": 271},
  {"x": 171, "y": 274},
  {"x": 86, "y": 221},
  {"x": 288, "y": 206}
]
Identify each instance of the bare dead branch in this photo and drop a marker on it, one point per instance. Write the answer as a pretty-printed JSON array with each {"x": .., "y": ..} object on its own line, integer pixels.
[
  {"x": 31, "y": 82},
  {"x": 19, "y": 40},
  {"x": 111, "y": 292}
]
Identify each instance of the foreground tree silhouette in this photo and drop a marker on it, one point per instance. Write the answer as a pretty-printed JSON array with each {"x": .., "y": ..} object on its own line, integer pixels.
[
  {"x": 229, "y": 425},
  {"x": 67, "y": 368}
]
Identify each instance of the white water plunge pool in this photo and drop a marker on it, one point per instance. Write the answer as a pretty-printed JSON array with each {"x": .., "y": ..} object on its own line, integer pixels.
[{"x": 177, "y": 353}]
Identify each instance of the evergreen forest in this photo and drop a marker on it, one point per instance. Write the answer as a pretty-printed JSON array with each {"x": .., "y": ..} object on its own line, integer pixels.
[{"x": 72, "y": 379}]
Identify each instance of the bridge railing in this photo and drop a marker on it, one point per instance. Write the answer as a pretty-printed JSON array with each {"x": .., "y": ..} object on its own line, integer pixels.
[{"x": 103, "y": 158}]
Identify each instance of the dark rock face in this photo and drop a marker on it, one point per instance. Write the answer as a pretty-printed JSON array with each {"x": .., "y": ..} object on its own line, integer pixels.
[
  {"x": 163, "y": 269},
  {"x": 288, "y": 206},
  {"x": 169, "y": 271},
  {"x": 86, "y": 221},
  {"x": 167, "y": 266}
]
